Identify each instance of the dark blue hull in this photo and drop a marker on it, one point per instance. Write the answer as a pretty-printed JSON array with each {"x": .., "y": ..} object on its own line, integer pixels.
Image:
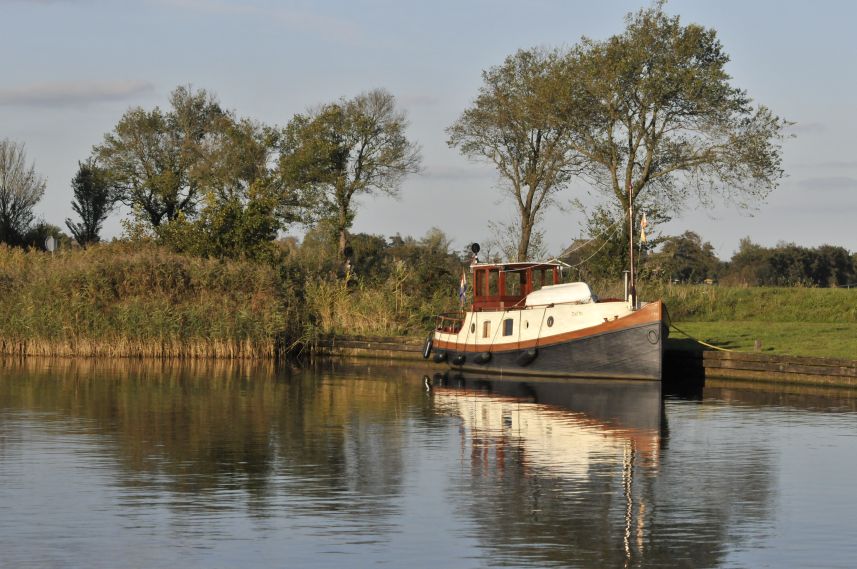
[{"x": 629, "y": 353}]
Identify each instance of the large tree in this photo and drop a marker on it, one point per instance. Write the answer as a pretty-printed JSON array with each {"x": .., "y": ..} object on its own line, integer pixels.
[
  {"x": 152, "y": 156},
  {"x": 346, "y": 149},
  {"x": 21, "y": 188},
  {"x": 242, "y": 204},
  {"x": 685, "y": 258},
  {"x": 655, "y": 118},
  {"x": 516, "y": 123},
  {"x": 93, "y": 201}
]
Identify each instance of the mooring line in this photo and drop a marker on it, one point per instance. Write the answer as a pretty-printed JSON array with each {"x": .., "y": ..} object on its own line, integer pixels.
[{"x": 698, "y": 341}]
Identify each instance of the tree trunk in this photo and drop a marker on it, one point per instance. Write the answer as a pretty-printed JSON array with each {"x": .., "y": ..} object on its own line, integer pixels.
[
  {"x": 342, "y": 228},
  {"x": 342, "y": 242},
  {"x": 524, "y": 241}
]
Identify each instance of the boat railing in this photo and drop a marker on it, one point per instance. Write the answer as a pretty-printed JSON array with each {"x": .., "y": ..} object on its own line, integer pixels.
[{"x": 449, "y": 322}]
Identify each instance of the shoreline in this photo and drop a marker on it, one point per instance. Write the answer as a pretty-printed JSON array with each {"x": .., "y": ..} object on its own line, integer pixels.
[{"x": 682, "y": 366}]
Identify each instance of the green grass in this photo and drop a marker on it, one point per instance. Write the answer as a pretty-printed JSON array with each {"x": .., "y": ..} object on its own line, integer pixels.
[
  {"x": 755, "y": 304},
  {"x": 799, "y": 321},
  {"x": 816, "y": 339}
]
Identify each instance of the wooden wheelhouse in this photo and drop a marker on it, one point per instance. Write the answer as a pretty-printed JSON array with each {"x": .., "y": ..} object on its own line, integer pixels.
[{"x": 505, "y": 286}]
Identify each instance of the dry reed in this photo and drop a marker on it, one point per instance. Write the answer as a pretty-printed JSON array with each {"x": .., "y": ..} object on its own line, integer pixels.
[{"x": 123, "y": 299}]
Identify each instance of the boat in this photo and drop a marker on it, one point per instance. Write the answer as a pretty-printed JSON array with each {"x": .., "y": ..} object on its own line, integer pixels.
[{"x": 524, "y": 321}]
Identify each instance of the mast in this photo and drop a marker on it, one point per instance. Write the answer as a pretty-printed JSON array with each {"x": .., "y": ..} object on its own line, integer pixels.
[{"x": 633, "y": 280}]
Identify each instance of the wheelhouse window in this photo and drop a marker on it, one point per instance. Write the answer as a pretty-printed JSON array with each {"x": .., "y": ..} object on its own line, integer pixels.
[
  {"x": 493, "y": 283},
  {"x": 542, "y": 277},
  {"x": 516, "y": 282},
  {"x": 507, "y": 285}
]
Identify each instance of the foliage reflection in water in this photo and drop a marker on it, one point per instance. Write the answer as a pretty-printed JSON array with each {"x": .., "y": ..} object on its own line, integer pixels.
[{"x": 233, "y": 465}]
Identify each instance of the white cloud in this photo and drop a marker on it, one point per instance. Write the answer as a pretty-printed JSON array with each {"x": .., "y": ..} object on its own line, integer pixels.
[{"x": 72, "y": 94}]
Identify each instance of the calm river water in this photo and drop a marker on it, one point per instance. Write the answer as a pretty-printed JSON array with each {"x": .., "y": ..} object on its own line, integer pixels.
[{"x": 162, "y": 465}]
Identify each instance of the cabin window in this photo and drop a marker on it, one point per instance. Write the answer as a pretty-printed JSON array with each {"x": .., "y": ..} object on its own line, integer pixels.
[
  {"x": 479, "y": 287},
  {"x": 515, "y": 281},
  {"x": 539, "y": 278},
  {"x": 507, "y": 327},
  {"x": 486, "y": 328},
  {"x": 493, "y": 283}
]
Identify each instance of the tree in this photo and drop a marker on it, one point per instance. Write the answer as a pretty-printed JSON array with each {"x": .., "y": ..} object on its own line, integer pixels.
[
  {"x": 505, "y": 238},
  {"x": 21, "y": 188},
  {"x": 345, "y": 149},
  {"x": 685, "y": 258},
  {"x": 653, "y": 115},
  {"x": 601, "y": 252},
  {"x": 38, "y": 233},
  {"x": 788, "y": 264},
  {"x": 93, "y": 201},
  {"x": 839, "y": 269},
  {"x": 516, "y": 124},
  {"x": 242, "y": 201},
  {"x": 151, "y": 157},
  {"x": 749, "y": 266}
]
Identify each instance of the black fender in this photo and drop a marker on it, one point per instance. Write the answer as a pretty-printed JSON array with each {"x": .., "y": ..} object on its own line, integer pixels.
[
  {"x": 428, "y": 346},
  {"x": 483, "y": 358},
  {"x": 526, "y": 357}
]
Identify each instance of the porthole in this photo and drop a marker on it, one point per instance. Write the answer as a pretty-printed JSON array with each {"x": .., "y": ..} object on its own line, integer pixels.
[
  {"x": 550, "y": 321},
  {"x": 473, "y": 328},
  {"x": 653, "y": 337},
  {"x": 526, "y": 323}
]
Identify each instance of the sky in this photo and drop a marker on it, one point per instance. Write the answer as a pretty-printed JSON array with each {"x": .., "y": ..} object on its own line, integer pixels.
[{"x": 71, "y": 68}]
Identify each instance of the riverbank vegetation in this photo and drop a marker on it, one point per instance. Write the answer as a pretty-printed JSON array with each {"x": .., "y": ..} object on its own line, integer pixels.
[
  {"x": 140, "y": 298},
  {"x": 136, "y": 299}
]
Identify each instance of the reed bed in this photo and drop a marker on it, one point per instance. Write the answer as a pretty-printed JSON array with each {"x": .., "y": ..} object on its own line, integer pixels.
[
  {"x": 139, "y": 300},
  {"x": 391, "y": 307}
]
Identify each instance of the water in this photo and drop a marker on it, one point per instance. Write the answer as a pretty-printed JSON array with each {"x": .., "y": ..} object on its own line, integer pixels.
[{"x": 158, "y": 465}]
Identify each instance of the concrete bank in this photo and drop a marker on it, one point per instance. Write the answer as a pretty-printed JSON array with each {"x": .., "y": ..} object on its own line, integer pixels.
[{"x": 679, "y": 365}]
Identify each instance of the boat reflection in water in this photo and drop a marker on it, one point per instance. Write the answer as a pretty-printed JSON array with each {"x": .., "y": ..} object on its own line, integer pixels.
[{"x": 553, "y": 447}]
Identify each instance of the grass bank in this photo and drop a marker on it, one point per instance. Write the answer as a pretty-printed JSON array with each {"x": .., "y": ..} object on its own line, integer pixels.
[
  {"x": 814, "y": 339},
  {"x": 820, "y": 322}
]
